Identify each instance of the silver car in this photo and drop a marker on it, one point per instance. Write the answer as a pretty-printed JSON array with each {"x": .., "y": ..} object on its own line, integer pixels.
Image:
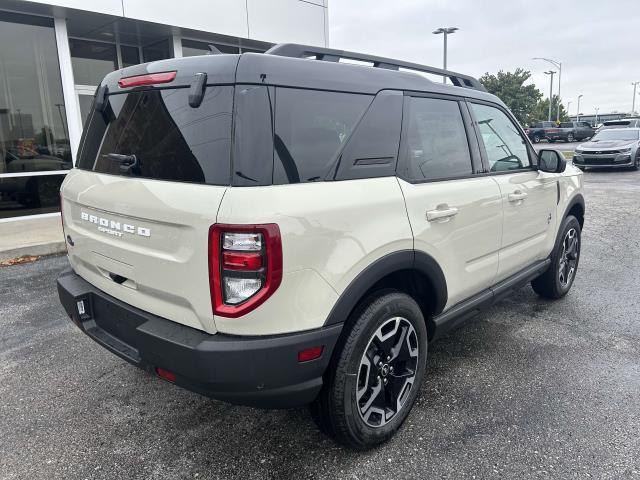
[{"x": 617, "y": 147}]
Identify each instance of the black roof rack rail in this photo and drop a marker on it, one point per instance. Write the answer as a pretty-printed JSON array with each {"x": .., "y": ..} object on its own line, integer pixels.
[{"x": 330, "y": 55}]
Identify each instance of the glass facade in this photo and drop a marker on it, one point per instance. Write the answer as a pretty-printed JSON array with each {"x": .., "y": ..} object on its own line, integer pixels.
[
  {"x": 33, "y": 130},
  {"x": 35, "y": 118}
]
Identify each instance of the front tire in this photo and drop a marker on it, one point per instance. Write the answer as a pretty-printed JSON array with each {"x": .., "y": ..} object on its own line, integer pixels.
[
  {"x": 375, "y": 374},
  {"x": 536, "y": 139},
  {"x": 557, "y": 280},
  {"x": 571, "y": 138}
]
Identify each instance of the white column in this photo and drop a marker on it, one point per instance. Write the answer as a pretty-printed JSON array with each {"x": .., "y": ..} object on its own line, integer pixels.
[
  {"x": 72, "y": 109},
  {"x": 177, "y": 45}
]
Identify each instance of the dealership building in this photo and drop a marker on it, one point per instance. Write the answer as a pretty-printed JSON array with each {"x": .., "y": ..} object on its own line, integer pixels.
[{"x": 54, "y": 54}]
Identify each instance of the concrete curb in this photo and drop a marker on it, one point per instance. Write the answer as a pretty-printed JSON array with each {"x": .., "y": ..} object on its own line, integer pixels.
[{"x": 48, "y": 248}]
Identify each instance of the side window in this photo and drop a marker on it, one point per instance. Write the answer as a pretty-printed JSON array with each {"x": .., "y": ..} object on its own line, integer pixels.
[
  {"x": 506, "y": 148},
  {"x": 310, "y": 129},
  {"x": 373, "y": 147},
  {"x": 436, "y": 141}
]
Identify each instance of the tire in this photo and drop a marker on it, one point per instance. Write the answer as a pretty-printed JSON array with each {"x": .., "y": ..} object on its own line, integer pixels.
[
  {"x": 557, "y": 280},
  {"x": 536, "y": 139},
  {"x": 361, "y": 376},
  {"x": 636, "y": 164},
  {"x": 571, "y": 138}
]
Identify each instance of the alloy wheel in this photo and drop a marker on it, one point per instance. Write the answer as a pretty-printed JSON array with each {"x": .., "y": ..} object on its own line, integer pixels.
[
  {"x": 568, "y": 257},
  {"x": 387, "y": 371}
]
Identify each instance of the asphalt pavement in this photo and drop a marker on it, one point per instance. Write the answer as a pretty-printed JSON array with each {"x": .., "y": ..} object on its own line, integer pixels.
[
  {"x": 562, "y": 146},
  {"x": 528, "y": 389}
]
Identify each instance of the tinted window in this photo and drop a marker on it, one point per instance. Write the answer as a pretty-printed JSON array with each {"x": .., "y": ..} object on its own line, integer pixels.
[
  {"x": 253, "y": 136},
  {"x": 566, "y": 125},
  {"x": 311, "y": 127},
  {"x": 373, "y": 148},
  {"x": 169, "y": 139},
  {"x": 437, "y": 144},
  {"x": 506, "y": 148}
]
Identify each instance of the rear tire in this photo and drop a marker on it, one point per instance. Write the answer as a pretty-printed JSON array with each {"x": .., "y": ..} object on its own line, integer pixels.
[
  {"x": 376, "y": 372},
  {"x": 557, "y": 280},
  {"x": 536, "y": 139}
]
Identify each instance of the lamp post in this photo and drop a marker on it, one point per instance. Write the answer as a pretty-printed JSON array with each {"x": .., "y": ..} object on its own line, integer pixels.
[
  {"x": 569, "y": 108},
  {"x": 446, "y": 31},
  {"x": 633, "y": 105},
  {"x": 550, "y": 72},
  {"x": 558, "y": 65},
  {"x": 578, "y": 112},
  {"x": 596, "y": 121}
]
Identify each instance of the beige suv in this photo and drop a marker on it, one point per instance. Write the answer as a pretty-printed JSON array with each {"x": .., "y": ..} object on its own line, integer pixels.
[{"x": 286, "y": 228}]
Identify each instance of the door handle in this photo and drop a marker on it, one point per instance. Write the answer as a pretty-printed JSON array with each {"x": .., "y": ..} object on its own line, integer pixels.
[
  {"x": 442, "y": 212},
  {"x": 517, "y": 196}
]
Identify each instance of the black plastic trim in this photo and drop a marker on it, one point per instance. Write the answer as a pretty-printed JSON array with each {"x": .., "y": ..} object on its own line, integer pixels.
[
  {"x": 260, "y": 371},
  {"x": 393, "y": 262},
  {"x": 466, "y": 309}
]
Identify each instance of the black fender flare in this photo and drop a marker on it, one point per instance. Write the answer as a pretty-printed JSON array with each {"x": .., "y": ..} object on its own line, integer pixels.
[
  {"x": 577, "y": 199},
  {"x": 390, "y": 263}
]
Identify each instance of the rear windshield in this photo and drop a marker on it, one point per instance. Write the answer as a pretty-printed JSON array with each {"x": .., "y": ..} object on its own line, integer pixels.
[{"x": 156, "y": 134}]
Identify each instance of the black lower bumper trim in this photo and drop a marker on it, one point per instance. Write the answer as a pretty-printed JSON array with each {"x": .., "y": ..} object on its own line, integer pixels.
[{"x": 261, "y": 371}]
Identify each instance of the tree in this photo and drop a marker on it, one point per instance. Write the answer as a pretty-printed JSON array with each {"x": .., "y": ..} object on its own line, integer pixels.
[
  {"x": 541, "y": 111},
  {"x": 509, "y": 87}
]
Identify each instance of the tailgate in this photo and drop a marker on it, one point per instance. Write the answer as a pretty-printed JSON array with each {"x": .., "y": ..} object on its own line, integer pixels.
[
  {"x": 144, "y": 242},
  {"x": 153, "y": 167}
]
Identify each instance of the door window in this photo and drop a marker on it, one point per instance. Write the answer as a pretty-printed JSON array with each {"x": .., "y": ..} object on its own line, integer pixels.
[
  {"x": 506, "y": 148},
  {"x": 437, "y": 145}
]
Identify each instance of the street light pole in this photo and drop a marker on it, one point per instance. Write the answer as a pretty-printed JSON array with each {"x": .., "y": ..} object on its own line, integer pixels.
[
  {"x": 550, "y": 72},
  {"x": 446, "y": 31},
  {"x": 569, "y": 108},
  {"x": 558, "y": 65},
  {"x": 633, "y": 105},
  {"x": 578, "y": 112},
  {"x": 596, "y": 109}
]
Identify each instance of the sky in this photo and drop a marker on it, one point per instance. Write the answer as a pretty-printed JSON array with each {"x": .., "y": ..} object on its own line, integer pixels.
[{"x": 597, "y": 41}]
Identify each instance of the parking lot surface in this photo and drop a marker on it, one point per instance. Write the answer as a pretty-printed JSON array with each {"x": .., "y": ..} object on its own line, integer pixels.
[{"x": 527, "y": 389}]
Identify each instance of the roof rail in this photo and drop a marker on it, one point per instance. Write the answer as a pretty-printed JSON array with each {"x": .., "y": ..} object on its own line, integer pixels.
[{"x": 330, "y": 55}]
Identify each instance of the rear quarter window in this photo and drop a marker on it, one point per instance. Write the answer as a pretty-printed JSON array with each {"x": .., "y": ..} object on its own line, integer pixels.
[{"x": 310, "y": 130}]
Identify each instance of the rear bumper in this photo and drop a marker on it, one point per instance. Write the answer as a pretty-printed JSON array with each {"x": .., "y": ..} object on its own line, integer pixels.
[{"x": 255, "y": 371}]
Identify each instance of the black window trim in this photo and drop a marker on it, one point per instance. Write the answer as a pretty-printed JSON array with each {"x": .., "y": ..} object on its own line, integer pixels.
[
  {"x": 474, "y": 153},
  {"x": 531, "y": 153}
]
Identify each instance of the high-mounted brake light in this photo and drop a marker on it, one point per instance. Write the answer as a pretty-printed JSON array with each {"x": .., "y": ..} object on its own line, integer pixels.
[
  {"x": 147, "y": 79},
  {"x": 245, "y": 267}
]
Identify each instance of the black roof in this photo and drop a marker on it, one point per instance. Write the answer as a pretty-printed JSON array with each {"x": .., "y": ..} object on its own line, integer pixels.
[{"x": 289, "y": 65}]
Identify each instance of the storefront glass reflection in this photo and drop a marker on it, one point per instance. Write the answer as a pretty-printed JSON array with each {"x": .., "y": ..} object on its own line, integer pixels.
[{"x": 33, "y": 129}]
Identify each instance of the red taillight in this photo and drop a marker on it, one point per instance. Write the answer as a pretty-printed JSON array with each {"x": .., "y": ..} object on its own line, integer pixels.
[
  {"x": 166, "y": 374},
  {"x": 310, "y": 354},
  {"x": 241, "y": 261},
  {"x": 245, "y": 267},
  {"x": 147, "y": 79}
]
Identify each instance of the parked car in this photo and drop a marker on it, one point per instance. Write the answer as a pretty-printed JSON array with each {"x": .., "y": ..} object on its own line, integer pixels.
[
  {"x": 363, "y": 213},
  {"x": 540, "y": 130},
  {"x": 615, "y": 147},
  {"x": 571, "y": 132},
  {"x": 622, "y": 123}
]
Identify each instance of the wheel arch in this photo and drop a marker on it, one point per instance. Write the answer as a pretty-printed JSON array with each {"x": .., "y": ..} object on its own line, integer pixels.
[
  {"x": 575, "y": 207},
  {"x": 413, "y": 272}
]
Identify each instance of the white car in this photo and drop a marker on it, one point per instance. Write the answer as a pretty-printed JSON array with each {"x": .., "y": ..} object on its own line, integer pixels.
[{"x": 284, "y": 229}]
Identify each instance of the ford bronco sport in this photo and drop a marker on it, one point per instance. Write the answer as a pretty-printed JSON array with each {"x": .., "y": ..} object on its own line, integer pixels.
[{"x": 287, "y": 228}]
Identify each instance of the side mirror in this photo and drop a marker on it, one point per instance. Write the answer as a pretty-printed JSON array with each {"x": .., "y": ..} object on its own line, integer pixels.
[{"x": 551, "y": 161}]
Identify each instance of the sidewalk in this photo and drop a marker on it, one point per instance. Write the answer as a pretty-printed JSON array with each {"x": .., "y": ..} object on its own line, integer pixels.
[{"x": 37, "y": 236}]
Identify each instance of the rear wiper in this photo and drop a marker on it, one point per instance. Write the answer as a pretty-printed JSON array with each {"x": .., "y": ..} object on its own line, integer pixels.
[{"x": 126, "y": 161}]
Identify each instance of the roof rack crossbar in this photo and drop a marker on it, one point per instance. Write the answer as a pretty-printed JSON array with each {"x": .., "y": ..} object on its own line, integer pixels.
[{"x": 332, "y": 55}]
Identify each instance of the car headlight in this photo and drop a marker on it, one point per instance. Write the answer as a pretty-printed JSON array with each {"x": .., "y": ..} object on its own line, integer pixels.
[
  {"x": 625, "y": 150},
  {"x": 578, "y": 151}
]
